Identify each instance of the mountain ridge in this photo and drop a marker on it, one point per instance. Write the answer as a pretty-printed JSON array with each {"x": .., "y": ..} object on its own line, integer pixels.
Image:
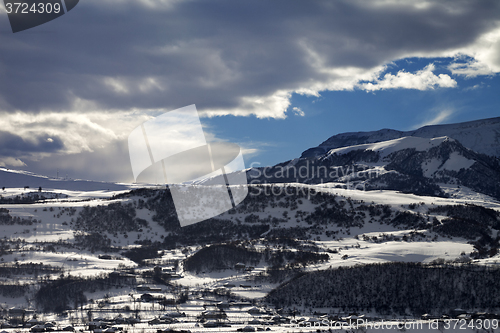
[
  {"x": 482, "y": 136},
  {"x": 11, "y": 178},
  {"x": 422, "y": 166}
]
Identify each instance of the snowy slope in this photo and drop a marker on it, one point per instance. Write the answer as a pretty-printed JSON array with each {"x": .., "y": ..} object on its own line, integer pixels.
[
  {"x": 391, "y": 146},
  {"x": 20, "y": 179},
  {"x": 454, "y": 161}
]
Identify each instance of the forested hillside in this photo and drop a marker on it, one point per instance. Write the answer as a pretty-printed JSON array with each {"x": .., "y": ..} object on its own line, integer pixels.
[{"x": 398, "y": 288}]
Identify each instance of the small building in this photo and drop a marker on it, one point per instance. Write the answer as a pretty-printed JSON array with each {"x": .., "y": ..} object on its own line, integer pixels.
[
  {"x": 210, "y": 323},
  {"x": 223, "y": 305},
  {"x": 105, "y": 257},
  {"x": 93, "y": 325},
  {"x": 168, "y": 301},
  {"x": 175, "y": 314},
  {"x": 17, "y": 312},
  {"x": 38, "y": 328},
  {"x": 239, "y": 266},
  {"x": 456, "y": 312},
  {"x": 464, "y": 316},
  {"x": 175, "y": 276},
  {"x": 147, "y": 297},
  {"x": 32, "y": 322},
  {"x": 213, "y": 315},
  {"x": 155, "y": 321},
  {"x": 279, "y": 319},
  {"x": 427, "y": 316},
  {"x": 256, "y": 311}
]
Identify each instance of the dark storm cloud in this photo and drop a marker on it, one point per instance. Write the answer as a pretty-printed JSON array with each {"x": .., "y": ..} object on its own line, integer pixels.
[
  {"x": 13, "y": 145},
  {"x": 143, "y": 54}
]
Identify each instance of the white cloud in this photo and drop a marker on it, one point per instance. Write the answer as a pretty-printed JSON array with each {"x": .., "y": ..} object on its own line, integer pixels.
[
  {"x": 474, "y": 87},
  {"x": 248, "y": 152},
  {"x": 424, "y": 79},
  {"x": 298, "y": 111},
  {"x": 272, "y": 106},
  {"x": 470, "y": 69},
  {"x": 484, "y": 54}
]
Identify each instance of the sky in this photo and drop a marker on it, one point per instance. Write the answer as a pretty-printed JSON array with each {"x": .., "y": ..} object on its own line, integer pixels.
[{"x": 274, "y": 77}]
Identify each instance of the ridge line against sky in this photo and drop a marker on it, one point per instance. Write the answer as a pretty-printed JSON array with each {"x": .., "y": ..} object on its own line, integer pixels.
[{"x": 275, "y": 77}]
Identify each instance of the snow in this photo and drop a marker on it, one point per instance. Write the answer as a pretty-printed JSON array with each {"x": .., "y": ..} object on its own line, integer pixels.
[
  {"x": 430, "y": 167},
  {"x": 456, "y": 162},
  {"x": 387, "y": 147}
]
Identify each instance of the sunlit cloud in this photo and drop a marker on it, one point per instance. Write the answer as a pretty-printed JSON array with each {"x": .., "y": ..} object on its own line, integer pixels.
[{"x": 424, "y": 79}]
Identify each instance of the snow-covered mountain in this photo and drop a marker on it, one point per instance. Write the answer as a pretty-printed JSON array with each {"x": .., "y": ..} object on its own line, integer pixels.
[
  {"x": 424, "y": 166},
  {"x": 482, "y": 136}
]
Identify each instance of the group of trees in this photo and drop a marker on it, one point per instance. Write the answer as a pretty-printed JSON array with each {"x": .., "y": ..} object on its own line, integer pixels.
[
  {"x": 226, "y": 256},
  {"x": 394, "y": 288},
  {"x": 14, "y": 289},
  {"x": 7, "y": 219},
  {"x": 471, "y": 222},
  {"x": 94, "y": 223},
  {"x": 69, "y": 292},
  {"x": 221, "y": 256},
  {"x": 113, "y": 218},
  {"x": 36, "y": 269}
]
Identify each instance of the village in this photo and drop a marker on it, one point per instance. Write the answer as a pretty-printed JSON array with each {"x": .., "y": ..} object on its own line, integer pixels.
[{"x": 152, "y": 307}]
